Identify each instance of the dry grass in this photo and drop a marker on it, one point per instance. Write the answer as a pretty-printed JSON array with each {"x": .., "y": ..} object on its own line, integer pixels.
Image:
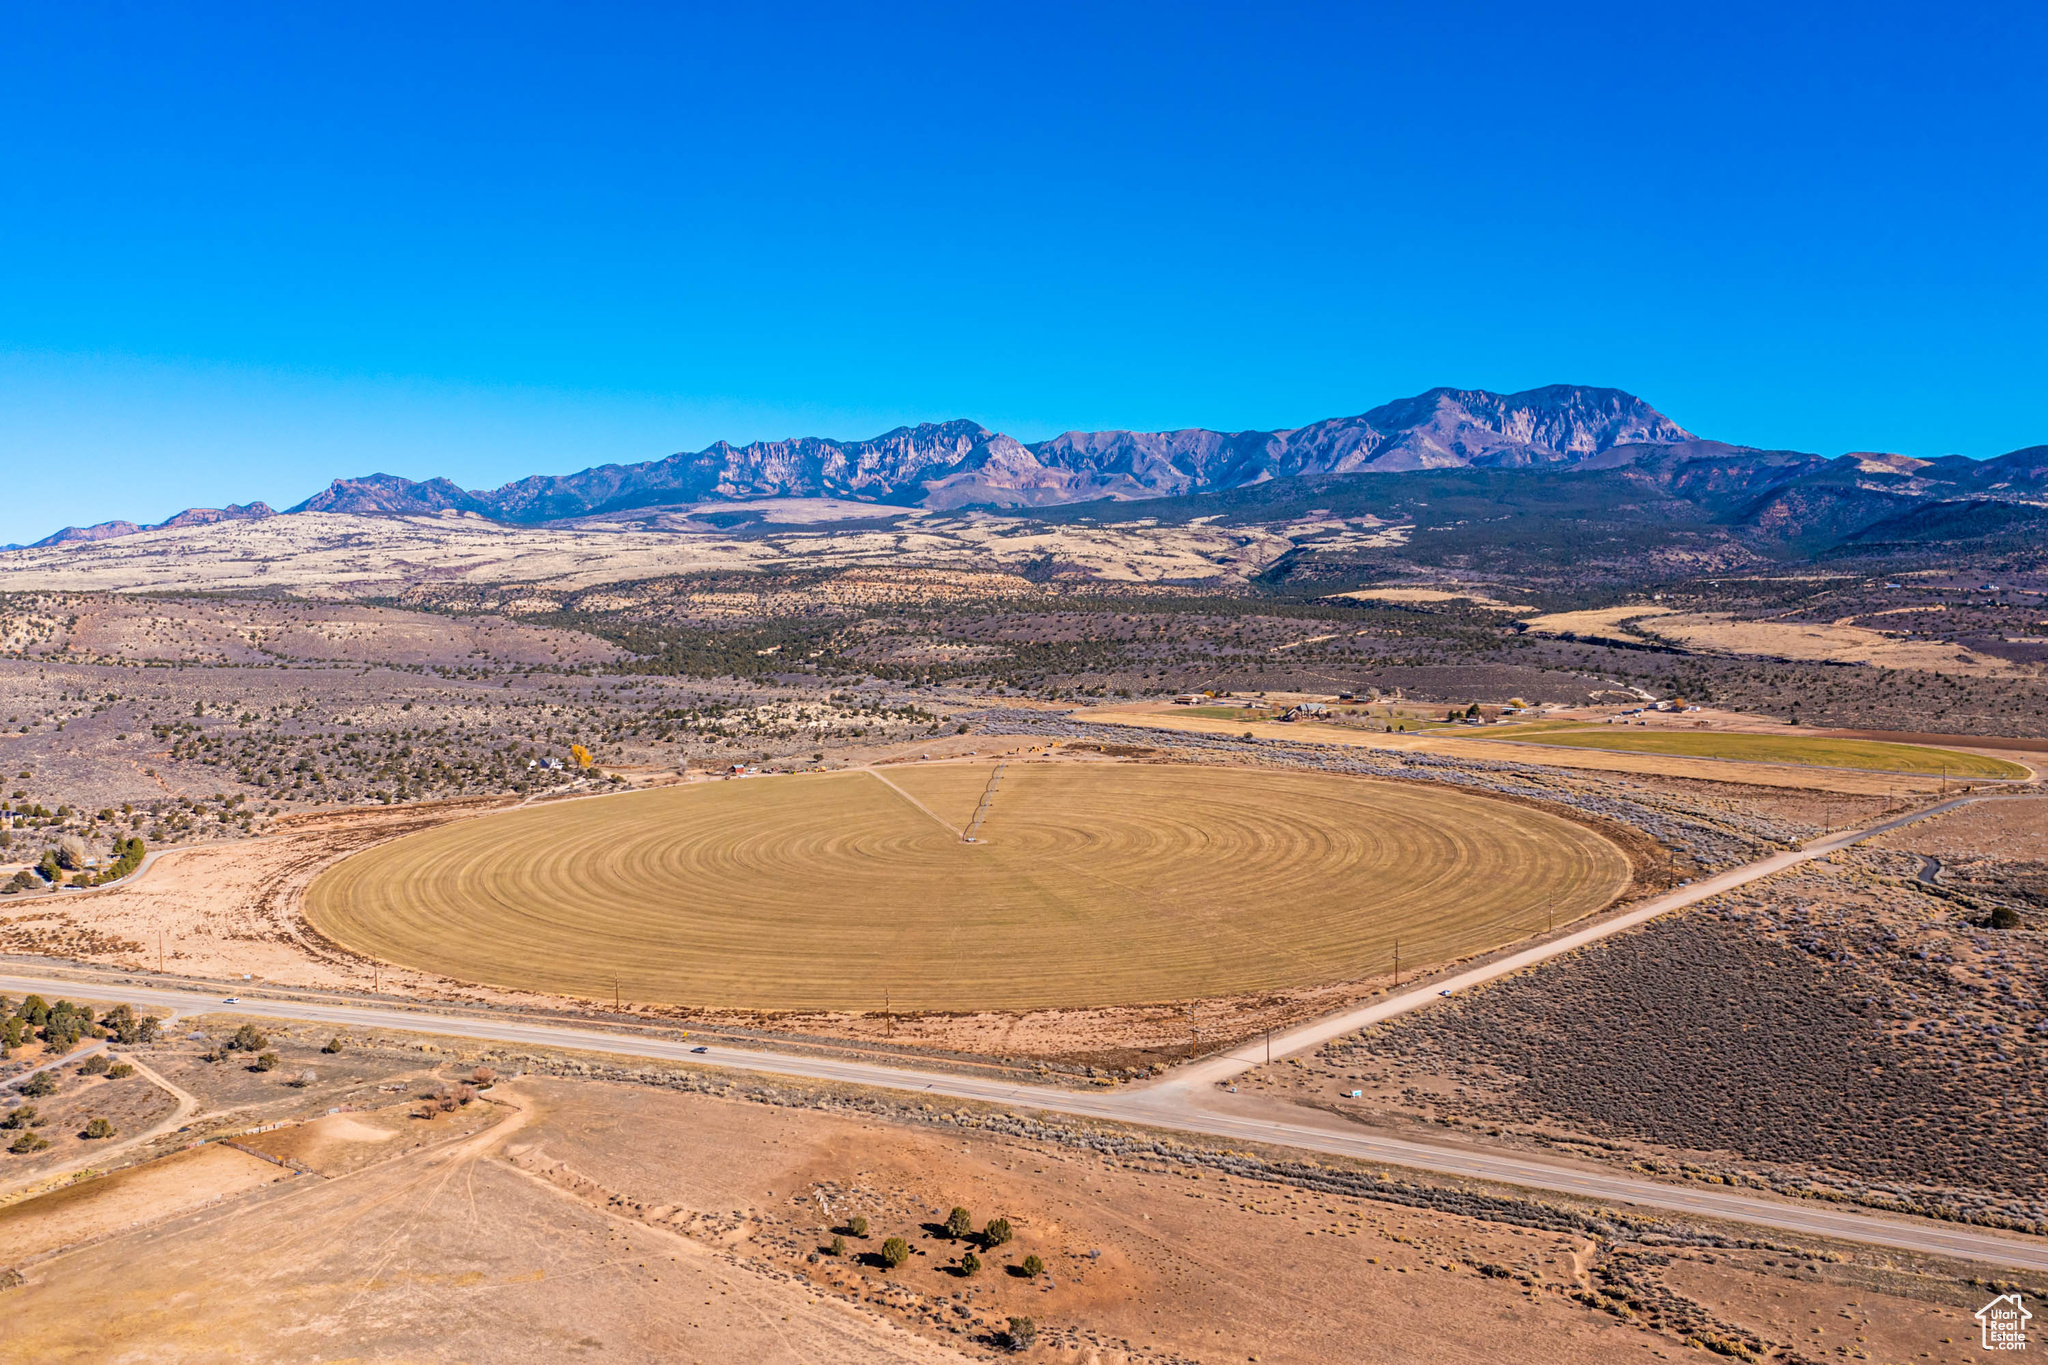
[
  {"x": 1835, "y": 642},
  {"x": 1867, "y": 755},
  {"x": 1094, "y": 884}
]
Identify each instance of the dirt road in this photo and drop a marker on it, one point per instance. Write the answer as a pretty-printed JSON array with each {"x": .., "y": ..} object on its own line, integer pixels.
[{"x": 1191, "y": 1101}]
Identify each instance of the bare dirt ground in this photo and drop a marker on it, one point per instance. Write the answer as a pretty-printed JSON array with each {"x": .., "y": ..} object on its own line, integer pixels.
[
  {"x": 690, "y": 1216},
  {"x": 2015, "y": 830}
]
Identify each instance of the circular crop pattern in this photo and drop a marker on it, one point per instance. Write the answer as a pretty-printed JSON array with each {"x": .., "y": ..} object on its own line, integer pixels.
[{"x": 1088, "y": 884}]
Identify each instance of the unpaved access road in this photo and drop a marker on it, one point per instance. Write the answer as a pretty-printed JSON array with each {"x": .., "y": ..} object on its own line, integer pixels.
[{"x": 1191, "y": 1099}]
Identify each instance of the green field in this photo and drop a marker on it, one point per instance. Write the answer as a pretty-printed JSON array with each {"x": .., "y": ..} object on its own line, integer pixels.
[
  {"x": 1802, "y": 750},
  {"x": 1092, "y": 884}
]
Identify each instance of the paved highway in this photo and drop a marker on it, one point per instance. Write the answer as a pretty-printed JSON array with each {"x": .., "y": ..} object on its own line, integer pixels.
[{"x": 1190, "y": 1099}]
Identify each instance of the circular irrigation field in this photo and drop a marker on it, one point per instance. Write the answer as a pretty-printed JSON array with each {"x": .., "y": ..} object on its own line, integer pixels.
[{"x": 1090, "y": 884}]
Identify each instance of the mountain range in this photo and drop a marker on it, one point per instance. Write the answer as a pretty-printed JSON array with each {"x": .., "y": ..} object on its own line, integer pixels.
[{"x": 960, "y": 464}]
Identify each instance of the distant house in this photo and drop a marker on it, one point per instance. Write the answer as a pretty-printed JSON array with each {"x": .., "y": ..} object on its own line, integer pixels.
[{"x": 1188, "y": 699}]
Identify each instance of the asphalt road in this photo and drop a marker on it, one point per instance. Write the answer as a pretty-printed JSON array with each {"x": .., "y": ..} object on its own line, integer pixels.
[{"x": 1192, "y": 1100}]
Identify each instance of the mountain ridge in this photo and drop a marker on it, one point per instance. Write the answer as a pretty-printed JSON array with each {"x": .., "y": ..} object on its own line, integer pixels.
[
  {"x": 1790, "y": 497},
  {"x": 961, "y": 463}
]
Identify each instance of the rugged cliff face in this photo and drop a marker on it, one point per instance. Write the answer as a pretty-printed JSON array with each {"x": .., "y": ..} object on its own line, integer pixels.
[
  {"x": 1605, "y": 456},
  {"x": 960, "y": 463}
]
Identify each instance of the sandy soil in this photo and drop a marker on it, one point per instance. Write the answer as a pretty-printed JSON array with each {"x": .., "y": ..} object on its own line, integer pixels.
[
  {"x": 1604, "y": 620},
  {"x": 226, "y": 911},
  {"x": 2016, "y": 830},
  {"x": 141, "y": 1194},
  {"x": 654, "y": 1225},
  {"x": 1836, "y": 642}
]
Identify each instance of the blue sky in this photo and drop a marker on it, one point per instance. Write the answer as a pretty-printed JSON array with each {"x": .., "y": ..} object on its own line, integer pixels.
[{"x": 245, "y": 250}]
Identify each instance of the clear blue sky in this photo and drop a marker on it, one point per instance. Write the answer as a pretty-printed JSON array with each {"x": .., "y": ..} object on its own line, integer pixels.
[{"x": 245, "y": 249}]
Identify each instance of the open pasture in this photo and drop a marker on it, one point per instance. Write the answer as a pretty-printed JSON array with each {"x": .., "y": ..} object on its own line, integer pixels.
[
  {"x": 1811, "y": 751},
  {"x": 1091, "y": 884}
]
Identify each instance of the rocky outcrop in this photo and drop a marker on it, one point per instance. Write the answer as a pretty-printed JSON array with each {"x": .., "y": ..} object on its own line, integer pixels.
[{"x": 191, "y": 516}]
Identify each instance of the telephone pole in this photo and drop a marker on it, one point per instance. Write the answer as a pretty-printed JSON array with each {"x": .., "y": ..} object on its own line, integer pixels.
[{"x": 1397, "y": 964}]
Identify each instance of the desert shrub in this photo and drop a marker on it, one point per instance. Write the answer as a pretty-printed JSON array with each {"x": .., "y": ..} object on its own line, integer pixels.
[
  {"x": 34, "y": 1010},
  {"x": 39, "y": 1085},
  {"x": 266, "y": 1061},
  {"x": 120, "y": 1071},
  {"x": 48, "y": 869},
  {"x": 65, "y": 1023},
  {"x": 302, "y": 1080},
  {"x": 129, "y": 1027},
  {"x": 27, "y": 1142},
  {"x": 838, "y": 1246},
  {"x": 483, "y": 1075},
  {"x": 249, "y": 1038},
  {"x": 2004, "y": 917},
  {"x": 959, "y": 1223},
  {"x": 464, "y": 1094},
  {"x": 996, "y": 1233},
  {"x": 970, "y": 1264},
  {"x": 1032, "y": 1267},
  {"x": 857, "y": 1225},
  {"x": 20, "y": 1118},
  {"x": 13, "y": 1032},
  {"x": 895, "y": 1252},
  {"x": 96, "y": 1065},
  {"x": 98, "y": 1128},
  {"x": 1020, "y": 1334},
  {"x": 334, "y": 1044}
]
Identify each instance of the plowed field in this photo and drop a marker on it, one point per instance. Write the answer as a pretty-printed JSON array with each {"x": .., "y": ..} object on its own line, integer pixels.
[{"x": 1090, "y": 884}]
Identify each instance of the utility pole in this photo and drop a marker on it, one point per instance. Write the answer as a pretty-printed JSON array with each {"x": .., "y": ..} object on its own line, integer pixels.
[
  {"x": 1397, "y": 964},
  {"x": 888, "y": 1019},
  {"x": 615, "y": 993},
  {"x": 1269, "y": 1047}
]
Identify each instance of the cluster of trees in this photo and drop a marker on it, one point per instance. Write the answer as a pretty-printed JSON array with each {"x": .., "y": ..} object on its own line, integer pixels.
[
  {"x": 959, "y": 1227},
  {"x": 128, "y": 854},
  {"x": 69, "y": 855},
  {"x": 61, "y": 1025}
]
